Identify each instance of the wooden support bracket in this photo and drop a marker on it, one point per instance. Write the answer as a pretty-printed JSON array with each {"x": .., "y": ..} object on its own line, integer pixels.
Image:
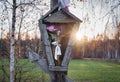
[{"x": 58, "y": 68}]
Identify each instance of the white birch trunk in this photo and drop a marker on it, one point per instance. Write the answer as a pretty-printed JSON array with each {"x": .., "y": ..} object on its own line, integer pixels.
[
  {"x": 12, "y": 43},
  {"x": 12, "y": 58}
]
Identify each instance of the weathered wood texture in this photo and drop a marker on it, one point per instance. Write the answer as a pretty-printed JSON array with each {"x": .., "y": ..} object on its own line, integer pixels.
[
  {"x": 58, "y": 68},
  {"x": 66, "y": 58},
  {"x": 67, "y": 54},
  {"x": 47, "y": 45},
  {"x": 36, "y": 59},
  {"x": 53, "y": 3},
  {"x": 59, "y": 17},
  {"x": 67, "y": 79},
  {"x": 41, "y": 63}
]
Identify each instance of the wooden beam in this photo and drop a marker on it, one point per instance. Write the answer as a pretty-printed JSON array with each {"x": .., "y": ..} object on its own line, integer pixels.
[
  {"x": 68, "y": 79},
  {"x": 58, "y": 68},
  {"x": 41, "y": 63},
  {"x": 53, "y": 3},
  {"x": 66, "y": 58},
  {"x": 47, "y": 46},
  {"x": 36, "y": 59}
]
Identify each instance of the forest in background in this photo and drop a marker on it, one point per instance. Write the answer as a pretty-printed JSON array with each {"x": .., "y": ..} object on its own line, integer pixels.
[{"x": 99, "y": 47}]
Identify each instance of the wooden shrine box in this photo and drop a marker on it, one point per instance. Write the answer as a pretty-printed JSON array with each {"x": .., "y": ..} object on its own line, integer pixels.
[{"x": 68, "y": 24}]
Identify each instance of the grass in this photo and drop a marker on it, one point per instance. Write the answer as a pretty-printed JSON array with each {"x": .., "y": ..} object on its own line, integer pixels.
[
  {"x": 94, "y": 71},
  {"x": 79, "y": 71}
]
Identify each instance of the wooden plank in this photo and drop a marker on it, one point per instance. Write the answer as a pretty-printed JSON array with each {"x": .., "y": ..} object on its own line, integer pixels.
[
  {"x": 66, "y": 58},
  {"x": 59, "y": 17},
  {"x": 41, "y": 63},
  {"x": 67, "y": 79},
  {"x": 47, "y": 46},
  {"x": 58, "y": 68},
  {"x": 36, "y": 59}
]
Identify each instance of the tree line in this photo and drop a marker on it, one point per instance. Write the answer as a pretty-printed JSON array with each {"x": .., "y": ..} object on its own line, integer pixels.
[
  {"x": 100, "y": 46},
  {"x": 21, "y": 47}
]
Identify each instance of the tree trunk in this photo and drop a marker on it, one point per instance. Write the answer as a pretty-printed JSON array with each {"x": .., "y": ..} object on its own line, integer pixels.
[
  {"x": 19, "y": 37},
  {"x": 116, "y": 54},
  {"x": 83, "y": 54},
  {"x": 12, "y": 43},
  {"x": 108, "y": 50},
  {"x": 93, "y": 54},
  {"x": 108, "y": 54}
]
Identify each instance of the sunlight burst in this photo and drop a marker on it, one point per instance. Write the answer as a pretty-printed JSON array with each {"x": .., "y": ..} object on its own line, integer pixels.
[{"x": 79, "y": 35}]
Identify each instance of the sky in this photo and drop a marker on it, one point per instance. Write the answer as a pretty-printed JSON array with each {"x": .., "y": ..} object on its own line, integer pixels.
[{"x": 97, "y": 15}]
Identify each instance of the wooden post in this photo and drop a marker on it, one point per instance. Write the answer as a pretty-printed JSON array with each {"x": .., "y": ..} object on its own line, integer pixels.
[
  {"x": 53, "y": 3},
  {"x": 47, "y": 45},
  {"x": 66, "y": 58}
]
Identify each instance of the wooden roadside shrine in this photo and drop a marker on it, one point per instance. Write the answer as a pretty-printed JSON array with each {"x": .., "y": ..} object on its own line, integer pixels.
[{"x": 63, "y": 26}]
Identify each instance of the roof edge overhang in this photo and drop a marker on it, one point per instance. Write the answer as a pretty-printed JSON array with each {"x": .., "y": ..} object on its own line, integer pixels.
[
  {"x": 72, "y": 15},
  {"x": 49, "y": 12},
  {"x": 65, "y": 11}
]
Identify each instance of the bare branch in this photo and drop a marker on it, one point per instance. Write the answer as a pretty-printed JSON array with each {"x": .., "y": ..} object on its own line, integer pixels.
[
  {"x": 112, "y": 9},
  {"x": 8, "y": 2}
]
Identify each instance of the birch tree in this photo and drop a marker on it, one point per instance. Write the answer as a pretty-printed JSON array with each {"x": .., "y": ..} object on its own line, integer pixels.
[
  {"x": 12, "y": 43},
  {"x": 15, "y": 6}
]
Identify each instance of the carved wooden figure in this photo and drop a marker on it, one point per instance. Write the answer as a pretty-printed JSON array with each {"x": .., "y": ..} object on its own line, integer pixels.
[{"x": 57, "y": 28}]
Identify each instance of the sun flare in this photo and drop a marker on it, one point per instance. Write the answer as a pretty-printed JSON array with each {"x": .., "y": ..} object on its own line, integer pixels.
[{"x": 79, "y": 35}]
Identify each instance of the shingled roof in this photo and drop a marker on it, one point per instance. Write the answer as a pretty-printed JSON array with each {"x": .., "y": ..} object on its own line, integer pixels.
[{"x": 59, "y": 16}]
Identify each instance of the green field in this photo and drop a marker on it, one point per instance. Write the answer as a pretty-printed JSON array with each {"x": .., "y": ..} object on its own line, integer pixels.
[
  {"x": 79, "y": 71},
  {"x": 94, "y": 71}
]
